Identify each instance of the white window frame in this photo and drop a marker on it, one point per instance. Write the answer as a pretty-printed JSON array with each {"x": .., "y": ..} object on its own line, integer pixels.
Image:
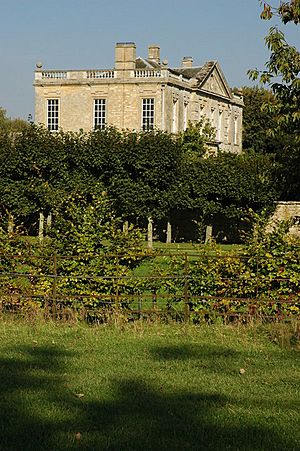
[
  {"x": 99, "y": 113},
  {"x": 148, "y": 113},
  {"x": 53, "y": 109}
]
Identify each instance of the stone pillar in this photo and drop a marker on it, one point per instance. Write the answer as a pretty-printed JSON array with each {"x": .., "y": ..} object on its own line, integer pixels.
[
  {"x": 49, "y": 221},
  {"x": 41, "y": 227},
  {"x": 125, "y": 228},
  {"x": 169, "y": 233},
  {"x": 208, "y": 233},
  {"x": 10, "y": 226},
  {"x": 150, "y": 233}
]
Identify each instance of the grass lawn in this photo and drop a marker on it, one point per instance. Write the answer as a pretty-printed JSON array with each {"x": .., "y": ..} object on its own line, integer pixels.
[
  {"x": 194, "y": 247},
  {"x": 146, "y": 387}
]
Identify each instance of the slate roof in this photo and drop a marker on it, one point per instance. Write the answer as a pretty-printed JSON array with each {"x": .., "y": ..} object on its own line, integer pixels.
[
  {"x": 143, "y": 63},
  {"x": 200, "y": 72}
]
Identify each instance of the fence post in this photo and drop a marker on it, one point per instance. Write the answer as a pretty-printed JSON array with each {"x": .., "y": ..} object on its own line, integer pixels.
[
  {"x": 186, "y": 289},
  {"x": 10, "y": 227},
  {"x": 54, "y": 286},
  {"x": 154, "y": 299},
  {"x": 169, "y": 233},
  {"x": 41, "y": 227},
  {"x": 208, "y": 234},
  {"x": 150, "y": 233},
  {"x": 49, "y": 222}
]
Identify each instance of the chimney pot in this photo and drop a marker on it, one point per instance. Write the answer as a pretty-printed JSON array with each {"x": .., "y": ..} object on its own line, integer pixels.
[
  {"x": 125, "y": 56},
  {"x": 154, "y": 53},
  {"x": 187, "y": 61}
]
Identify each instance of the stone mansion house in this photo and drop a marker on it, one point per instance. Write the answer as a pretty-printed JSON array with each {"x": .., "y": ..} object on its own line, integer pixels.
[{"x": 140, "y": 93}]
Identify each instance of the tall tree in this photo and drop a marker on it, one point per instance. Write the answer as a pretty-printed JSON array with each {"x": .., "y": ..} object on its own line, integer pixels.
[
  {"x": 282, "y": 75},
  {"x": 258, "y": 121},
  {"x": 11, "y": 125}
]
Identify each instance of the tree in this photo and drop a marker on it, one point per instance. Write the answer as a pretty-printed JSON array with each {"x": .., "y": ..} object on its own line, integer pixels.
[
  {"x": 142, "y": 171},
  {"x": 282, "y": 75},
  {"x": 259, "y": 122},
  {"x": 147, "y": 174},
  {"x": 282, "y": 69},
  {"x": 196, "y": 138},
  {"x": 11, "y": 125}
]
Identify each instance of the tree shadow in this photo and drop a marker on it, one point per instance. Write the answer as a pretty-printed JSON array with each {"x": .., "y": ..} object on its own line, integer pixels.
[
  {"x": 32, "y": 385},
  {"x": 146, "y": 419},
  {"x": 38, "y": 411},
  {"x": 192, "y": 351}
]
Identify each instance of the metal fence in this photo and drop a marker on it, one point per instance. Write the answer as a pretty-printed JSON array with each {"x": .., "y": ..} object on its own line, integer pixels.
[{"x": 183, "y": 286}]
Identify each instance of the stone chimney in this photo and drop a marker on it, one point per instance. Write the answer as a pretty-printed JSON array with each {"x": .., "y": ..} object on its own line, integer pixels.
[
  {"x": 187, "y": 61},
  {"x": 154, "y": 53},
  {"x": 125, "y": 56}
]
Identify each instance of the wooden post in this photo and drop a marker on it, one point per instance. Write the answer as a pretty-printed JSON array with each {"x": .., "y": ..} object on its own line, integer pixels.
[
  {"x": 169, "y": 233},
  {"x": 41, "y": 227},
  {"x": 10, "y": 226},
  {"x": 208, "y": 234},
  {"x": 150, "y": 233}
]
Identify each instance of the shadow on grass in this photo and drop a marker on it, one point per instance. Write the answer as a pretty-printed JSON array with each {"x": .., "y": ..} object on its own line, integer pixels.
[
  {"x": 38, "y": 412},
  {"x": 189, "y": 351},
  {"x": 31, "y": 382}
]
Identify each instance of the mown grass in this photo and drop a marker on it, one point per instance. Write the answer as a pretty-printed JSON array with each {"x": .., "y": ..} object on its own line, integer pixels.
[
  {"x": 146, "y": 387},
  {"x": 192, "y": 247}
]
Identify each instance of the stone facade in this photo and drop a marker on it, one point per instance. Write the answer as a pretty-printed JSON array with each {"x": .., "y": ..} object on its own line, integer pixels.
[{"x": 139, "y": 93}]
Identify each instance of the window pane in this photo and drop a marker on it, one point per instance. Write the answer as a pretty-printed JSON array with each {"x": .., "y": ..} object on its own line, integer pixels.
[
  {"x": 148, "y": 114},
  {"x": 52, "y": 114},
  {"x": 99, "y": 113}
]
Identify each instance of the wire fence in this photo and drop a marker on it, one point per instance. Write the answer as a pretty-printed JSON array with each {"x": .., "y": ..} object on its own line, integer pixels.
[{"x": 194, "y": 286}]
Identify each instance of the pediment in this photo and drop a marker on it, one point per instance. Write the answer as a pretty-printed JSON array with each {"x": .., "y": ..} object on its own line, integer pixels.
[
  {"x": 142, "y": 63},
  {"x": 216, "y": 83}
]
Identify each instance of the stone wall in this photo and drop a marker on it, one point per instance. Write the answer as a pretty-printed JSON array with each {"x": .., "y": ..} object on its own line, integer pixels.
[{"x": 285, "y": 211}]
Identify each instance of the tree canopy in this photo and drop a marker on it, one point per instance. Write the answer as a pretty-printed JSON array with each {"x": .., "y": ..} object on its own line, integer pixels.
[
  {"x": 259, "y": 122},
  {"x": 146, "y": 174},
  {"x": 11, "y": 125},
  {"x": 282, "y": 75}
]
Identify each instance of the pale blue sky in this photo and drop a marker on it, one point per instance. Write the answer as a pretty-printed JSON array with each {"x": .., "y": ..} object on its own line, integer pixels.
[{"x": 70, "y": 34}]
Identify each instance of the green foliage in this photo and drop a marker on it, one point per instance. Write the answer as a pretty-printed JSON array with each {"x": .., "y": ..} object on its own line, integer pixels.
[
  {"x": 196, "y": 138},
  {"x": 91, "y": 251},
  {"x": 287, "y": 11},
  {"x": 259, "y": 121},
  {"x": 147, "y": 169},
  {"x": 261, "y": 282},
  {"x": 147, "y": 174},
  {"x": 282, "y": 75},
  {"x": 224, "y": 187},
  {"x": 98, "y": 271},
  {"x": 12, "y": 126}
]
